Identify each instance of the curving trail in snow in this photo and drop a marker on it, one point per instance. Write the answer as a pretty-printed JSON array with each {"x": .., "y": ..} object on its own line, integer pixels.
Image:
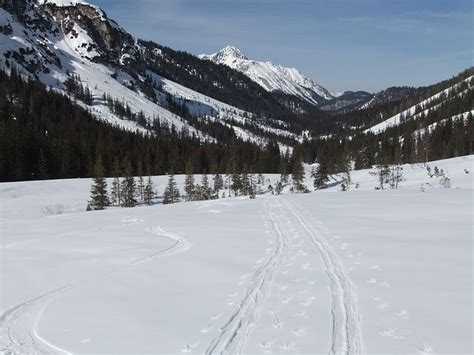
[
  {"x": 346, "y": 334},
  {"x": 19, "y": 324},
  {"x": 233, "y": 335}
]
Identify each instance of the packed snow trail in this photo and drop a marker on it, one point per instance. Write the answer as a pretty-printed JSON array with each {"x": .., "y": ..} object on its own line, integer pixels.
[
  {"x": 18, "y": 325},
  {"x": 346, "y": 335},
  {"x": 233, "y": 335}
]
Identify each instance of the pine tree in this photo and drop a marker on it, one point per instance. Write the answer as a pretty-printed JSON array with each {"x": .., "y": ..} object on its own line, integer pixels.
[
  {"x": 189, "y": 185},
  {"x": 297, "y": 176},
  {"x": 382, "y": 172},
  {"x": 396, "y": 176},
  {"x": 236, "y": 183},
  {"x": 148, "y": 193},
  {"x": 320, "y": 176},
  {"x": 171, "y": 194},
  {"x": 128, "y": 186},
  {"x": 116, "y": 191},
  {"x": 141, "y": 182},
  {"x": 99, "y": 198},
  {"x": 206, "y": 193},
  {"x": 218, "y": 183},
  {"x": 279, "y": 187}
]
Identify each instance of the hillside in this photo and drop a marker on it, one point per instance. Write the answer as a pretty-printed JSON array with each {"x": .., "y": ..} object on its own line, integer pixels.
[{"x": 62, "y": 42}]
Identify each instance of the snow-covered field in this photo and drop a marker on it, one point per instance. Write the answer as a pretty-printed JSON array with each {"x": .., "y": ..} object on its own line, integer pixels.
[{"x": 362, "y": 271}]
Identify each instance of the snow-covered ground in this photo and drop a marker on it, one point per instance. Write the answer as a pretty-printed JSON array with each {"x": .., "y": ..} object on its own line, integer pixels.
[{"x": 361, "y": 271}]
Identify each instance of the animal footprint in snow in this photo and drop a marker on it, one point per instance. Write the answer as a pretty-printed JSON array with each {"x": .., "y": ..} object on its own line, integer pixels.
[
  {"x": 306, "y": 266},
  {"x": 385, "y": 284},
  {"x": 216, "y": 316},
  {"x": 190, "y": 348},
  {"x": 259, "y": 261},
  {"x": 298, "y": 331},
  {"x": 243, "y": 277},
  {"x": 403, "y": 314},
  {"x": 266, "y": 346},
  {"x": 391, "y": 334},
  {"x": 288, "y": 346},
  {"x": 84, "y": 341},
  {"x": 206, "y": 329},
  {"x": 300, "y": 315},
  {"x": 344, "y": 245},
  {"x": 311, "y": 282},
  {"x": 286, "y": 300},
  {"x": 372, "y": 281},
  {"x": 230, "y": 301},
  {"x": 426, "y": 350},
  {"x": 307, "y": 303},
  {"x": 382, "y": 306}
]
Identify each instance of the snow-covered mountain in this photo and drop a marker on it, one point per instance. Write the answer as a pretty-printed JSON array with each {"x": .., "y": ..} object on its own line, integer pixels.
[
  {"x": 55, "y": 41},
  {"x": 273, "y": 77},
  {"x": 429, "y": 105}
]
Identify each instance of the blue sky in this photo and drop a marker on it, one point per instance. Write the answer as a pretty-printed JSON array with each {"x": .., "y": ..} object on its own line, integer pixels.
[{"x": 342, "y": 44}]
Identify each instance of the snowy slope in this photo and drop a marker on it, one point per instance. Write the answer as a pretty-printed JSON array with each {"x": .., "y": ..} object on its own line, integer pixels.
[
  {"x": 273, "y": 77},
  {"x": 53, "y": 54},
  {"x": 411, "y": 111},
  {"x": 351, "y": 272}
]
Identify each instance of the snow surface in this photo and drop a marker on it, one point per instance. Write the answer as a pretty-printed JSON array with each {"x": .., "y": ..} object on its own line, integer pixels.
[
  {"x": 362, "y": 271},
  {"x": 270, "y": 76}
]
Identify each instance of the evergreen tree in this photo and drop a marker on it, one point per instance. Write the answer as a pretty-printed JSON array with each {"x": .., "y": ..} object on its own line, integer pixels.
[
  {"x": 116, "y": 190},
  {"x": 297, "y": 175},
  {"x": 320, "y": 176},
  {"x": 218, "y": 183},
  {"x": 99, "y": 198},
  {"x": 236, "y": 183},
  {"x": 205, "y": 190},
  {"x": 141, "y": 182},
  {"x": 128, "y": 185},
  {"x": 396, "y": 176},
  {"x": 382, "y": 172},
  {"x": 171, "y": 194},
  {"x": 279, "y": 187},
  {"x": 189, "y": 186},
  {"x": 148, "y": 193}
]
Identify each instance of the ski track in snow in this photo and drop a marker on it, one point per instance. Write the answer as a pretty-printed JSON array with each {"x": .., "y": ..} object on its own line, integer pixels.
[
  {"x": 234, "y": 333},
  {"x": 19, "y": 324},
  {"x": 346, "y": 335}
]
